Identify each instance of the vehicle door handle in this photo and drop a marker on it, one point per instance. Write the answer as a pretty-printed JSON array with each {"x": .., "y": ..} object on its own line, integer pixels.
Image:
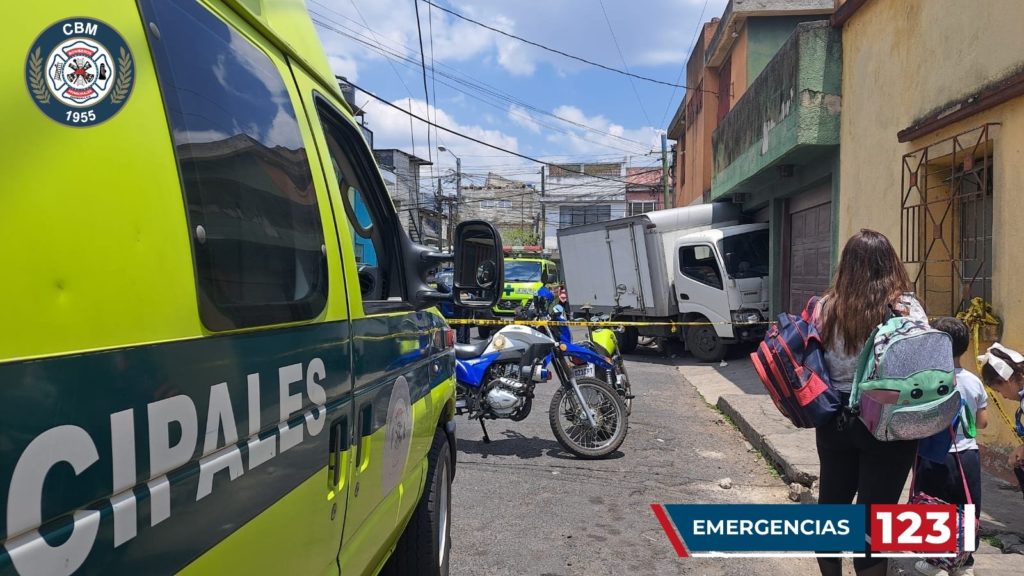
[
  {"x": 339, "y": 442},
  {"x": 364, "y": 426},
  {"x": 684, "y": 296}
]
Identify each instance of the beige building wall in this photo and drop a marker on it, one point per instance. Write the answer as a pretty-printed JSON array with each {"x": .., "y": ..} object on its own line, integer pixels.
[{"x": 902, "y": 61}]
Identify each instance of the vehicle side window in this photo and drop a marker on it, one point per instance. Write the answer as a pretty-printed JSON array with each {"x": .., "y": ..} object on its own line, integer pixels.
[
  {"x": 553, "y": 271},
  {"x": 252, "y": 212},
  {"x": 698, "y": 263},
  {"x": 374, "y": 228}
]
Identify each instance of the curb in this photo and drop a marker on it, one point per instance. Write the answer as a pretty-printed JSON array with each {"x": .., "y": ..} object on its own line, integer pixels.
[{"x": 791, "y": 449}]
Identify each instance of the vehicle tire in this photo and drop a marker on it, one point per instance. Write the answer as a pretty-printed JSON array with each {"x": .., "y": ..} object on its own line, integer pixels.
[
  {"x": 570, "y": 425},
  {"x": 705, "y": 345},
  {"x": 484, "y": 332},
  {"x": 425, "y": 546},
  {"x": 628, "y": 339}
]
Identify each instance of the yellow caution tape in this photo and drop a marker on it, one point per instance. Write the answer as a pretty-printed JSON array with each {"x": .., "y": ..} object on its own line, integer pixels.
[
  {"x": 977, "y": 315},
  {"x": 584, "y": 324}
]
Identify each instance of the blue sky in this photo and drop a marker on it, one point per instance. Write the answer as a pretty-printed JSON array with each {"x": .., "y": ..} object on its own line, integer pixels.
[{"x": 626, "y": 117}]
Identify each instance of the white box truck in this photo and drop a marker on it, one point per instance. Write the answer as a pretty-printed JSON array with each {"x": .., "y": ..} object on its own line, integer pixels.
[{"x": 693, "y": 264}]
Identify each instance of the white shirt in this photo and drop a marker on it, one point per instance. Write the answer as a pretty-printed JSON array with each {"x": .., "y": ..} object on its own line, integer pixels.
[{"x": 975, "y": 398}]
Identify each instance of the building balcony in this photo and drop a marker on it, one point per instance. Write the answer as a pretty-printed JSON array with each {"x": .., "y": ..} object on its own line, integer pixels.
[{"x": 788, "y": 117}]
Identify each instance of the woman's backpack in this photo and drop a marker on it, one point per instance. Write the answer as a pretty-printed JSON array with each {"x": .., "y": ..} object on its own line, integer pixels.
[
  {"x": 791, "y": 364},
  {"x": 904, "y": 387}
]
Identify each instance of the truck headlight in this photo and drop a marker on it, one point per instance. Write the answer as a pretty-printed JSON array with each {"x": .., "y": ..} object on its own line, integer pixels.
[{"x": 746, "y": 316}]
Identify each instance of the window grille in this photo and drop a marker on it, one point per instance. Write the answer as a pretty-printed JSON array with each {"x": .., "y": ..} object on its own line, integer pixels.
[{"x": 946, "y": 220}]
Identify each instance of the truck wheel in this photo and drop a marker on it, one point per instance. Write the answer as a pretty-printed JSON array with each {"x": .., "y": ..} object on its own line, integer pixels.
[
  {"x": 425, "y": 546},
  {"x": 705, "y": 345},
  {"x": 628, "y": 339},
  {"x": 484, "y": 332}
]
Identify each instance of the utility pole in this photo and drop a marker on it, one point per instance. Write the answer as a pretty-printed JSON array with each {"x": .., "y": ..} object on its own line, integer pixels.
[
  {"x": 664, "y": 170},
  {"x": 543, "y": 213},
  {"x": 458, "y": 185},
  {"x": 453, "y": 211}
]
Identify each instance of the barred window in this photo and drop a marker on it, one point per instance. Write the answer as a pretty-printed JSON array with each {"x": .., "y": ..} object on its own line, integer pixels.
[{"x": 946, "y": 227}]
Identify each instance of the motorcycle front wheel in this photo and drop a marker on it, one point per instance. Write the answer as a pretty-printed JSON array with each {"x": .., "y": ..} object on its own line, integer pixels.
[{"x": 572, "y": 429}]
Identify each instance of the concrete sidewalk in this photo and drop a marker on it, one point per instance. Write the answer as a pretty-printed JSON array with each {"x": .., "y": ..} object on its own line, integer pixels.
[{"x": 735, "y": 389}]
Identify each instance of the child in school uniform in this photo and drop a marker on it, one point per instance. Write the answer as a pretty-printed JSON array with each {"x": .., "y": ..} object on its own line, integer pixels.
[
  {"x": 1003, "y": 370},
  {"x": 943, "y": 479}
]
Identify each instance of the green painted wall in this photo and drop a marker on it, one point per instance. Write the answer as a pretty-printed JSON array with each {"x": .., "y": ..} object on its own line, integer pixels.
[
  {"x": 764, "y": 38},
  {"x": 793, "y": 105}
]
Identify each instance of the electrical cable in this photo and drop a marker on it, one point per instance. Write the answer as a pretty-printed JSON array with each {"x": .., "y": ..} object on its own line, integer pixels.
[
  {"x": 556, "y": 51},
  {"x": 488, "y": 144},
  {"x": 481, "y": 87}
]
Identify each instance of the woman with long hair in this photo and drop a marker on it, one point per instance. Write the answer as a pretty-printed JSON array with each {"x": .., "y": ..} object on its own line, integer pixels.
[{"x": 870, "y": 284}]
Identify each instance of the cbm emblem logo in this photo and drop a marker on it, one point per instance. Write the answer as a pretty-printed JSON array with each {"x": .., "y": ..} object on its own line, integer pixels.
[{"x": 80, "y": 72}]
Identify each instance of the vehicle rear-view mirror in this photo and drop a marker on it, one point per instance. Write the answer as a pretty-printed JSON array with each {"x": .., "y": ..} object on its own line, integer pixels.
[{"x": 479, "y": 265}]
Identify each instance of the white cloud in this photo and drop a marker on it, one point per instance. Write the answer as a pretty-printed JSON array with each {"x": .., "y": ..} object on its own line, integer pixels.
[
  {"x": 391, "y": 129},
  {"x": 344, "y": 65},
  {"x": 587, "y": 142},
  {"x": 657, "y": 33},
  {"x": 522, "y": 117}
]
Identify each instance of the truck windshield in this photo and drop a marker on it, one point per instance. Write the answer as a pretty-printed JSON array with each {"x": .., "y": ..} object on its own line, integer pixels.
[
  {"x": 746, "y": 255},
  {"x": 518, "y": 271}
]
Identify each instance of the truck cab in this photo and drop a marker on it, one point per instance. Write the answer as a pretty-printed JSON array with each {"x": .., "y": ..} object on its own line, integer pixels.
[{"x": 721, "y": 275}]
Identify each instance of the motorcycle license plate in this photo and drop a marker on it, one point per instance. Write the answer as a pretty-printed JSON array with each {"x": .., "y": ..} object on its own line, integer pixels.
[{"x": 583, "y": 371}]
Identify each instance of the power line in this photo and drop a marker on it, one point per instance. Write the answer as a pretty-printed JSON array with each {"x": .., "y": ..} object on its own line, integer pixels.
[
  {"x": 479, "y": 86},
  {"x": 393, "y": 69},
  {"x": 426, "y": 92},
  {"x": 693, "y": 40},
  {"x": 556, "y": 51},
  {"x": 482, "y": 142},
  {"x": 622, "y": 57}
]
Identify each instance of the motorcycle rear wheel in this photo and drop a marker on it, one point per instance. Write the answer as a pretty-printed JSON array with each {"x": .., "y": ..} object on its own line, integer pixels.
[{"x": 571, "y": 428}]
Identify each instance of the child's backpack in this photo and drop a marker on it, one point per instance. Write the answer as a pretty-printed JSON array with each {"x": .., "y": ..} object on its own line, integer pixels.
[
  {"x": 791, "y": 364},
  {"x": 904, "y": 387}
]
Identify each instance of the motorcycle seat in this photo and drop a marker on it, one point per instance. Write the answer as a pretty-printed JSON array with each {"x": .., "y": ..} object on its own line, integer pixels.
[{"x": 470, "y": 351}]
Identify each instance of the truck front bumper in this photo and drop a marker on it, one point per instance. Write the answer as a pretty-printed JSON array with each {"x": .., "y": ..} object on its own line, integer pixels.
[{"x": 749, "y": 333}]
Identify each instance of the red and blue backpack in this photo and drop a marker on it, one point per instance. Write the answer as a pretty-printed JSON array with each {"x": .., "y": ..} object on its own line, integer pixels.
[{"x": 791, "y": 364}]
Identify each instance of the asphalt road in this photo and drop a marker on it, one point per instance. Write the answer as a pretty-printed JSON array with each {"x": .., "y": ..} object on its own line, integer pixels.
[{"x": 523, "y": 506}]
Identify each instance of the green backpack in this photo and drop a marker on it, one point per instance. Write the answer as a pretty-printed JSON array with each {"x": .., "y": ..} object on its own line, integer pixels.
[{"x": 904, "y": 387}]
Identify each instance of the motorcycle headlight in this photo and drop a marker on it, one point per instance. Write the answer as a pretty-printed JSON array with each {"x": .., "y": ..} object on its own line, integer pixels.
[{"x": 746, "y": 317}]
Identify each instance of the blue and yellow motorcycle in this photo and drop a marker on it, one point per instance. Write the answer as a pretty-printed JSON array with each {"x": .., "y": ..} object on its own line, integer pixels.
[{"x": 496, "y": 378}]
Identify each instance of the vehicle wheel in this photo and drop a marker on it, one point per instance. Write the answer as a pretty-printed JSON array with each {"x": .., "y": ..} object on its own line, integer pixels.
[
  {"x": 628, "y": 339},
  {"x": 645, "y": 340},
  {"x": 570, "y": 425},
  {"x": 705, "y": 345},
  {"x": 484, "y": 332},
  {"x": 425, "y": 546}
]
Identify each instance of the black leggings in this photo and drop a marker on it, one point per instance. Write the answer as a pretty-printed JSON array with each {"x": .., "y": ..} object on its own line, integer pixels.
[{"x": 853, "y": 462}]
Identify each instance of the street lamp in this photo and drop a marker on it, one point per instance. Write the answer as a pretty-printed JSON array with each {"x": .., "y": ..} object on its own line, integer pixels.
[{"x": 458, "y": 190}]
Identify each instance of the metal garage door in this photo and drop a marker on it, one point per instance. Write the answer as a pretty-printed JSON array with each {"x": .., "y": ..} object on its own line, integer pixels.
[{"x": 809, "y": 231}]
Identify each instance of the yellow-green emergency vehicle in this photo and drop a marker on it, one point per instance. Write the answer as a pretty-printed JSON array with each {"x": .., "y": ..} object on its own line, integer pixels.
[
  {"x": 525, "y": 274},
  {"x": 218, "y": 353}
]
